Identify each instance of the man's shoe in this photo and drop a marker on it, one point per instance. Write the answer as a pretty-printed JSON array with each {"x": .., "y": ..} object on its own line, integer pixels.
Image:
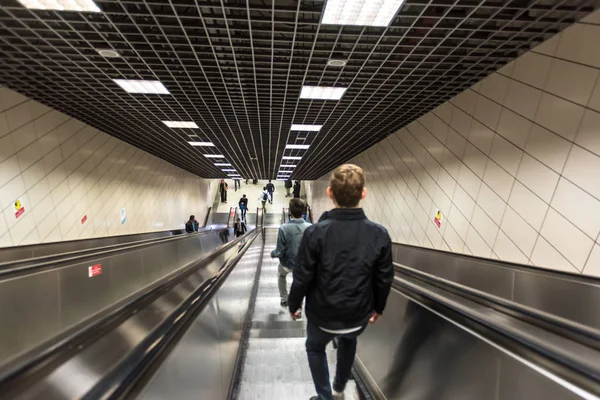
[
  {"x": 338, "y": 395},
  {"x": 284, "y": 303}
]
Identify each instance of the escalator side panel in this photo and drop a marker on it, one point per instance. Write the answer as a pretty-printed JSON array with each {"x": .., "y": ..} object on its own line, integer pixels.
[
  {"x": 202, "y": 364},
  {"x": 414, "y": 353}
]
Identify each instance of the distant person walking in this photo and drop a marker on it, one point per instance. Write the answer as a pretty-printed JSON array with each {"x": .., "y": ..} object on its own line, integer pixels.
[
  {"x": 264, "y": 197},
  {"x": 243, "y": 204},
  {"x": 270, "y": 189},
  {"x": 288, "y": 241},
  {"x": 237, "y": 184},
  {"x": 239, "y": 228},
  {"x": 288, "y": 187},
  {"x": 344, "y": 269},
  {"x": 192, "y": 225},
  {"x": 297, "y": 189},
  {"x": 223, "y": 190}
]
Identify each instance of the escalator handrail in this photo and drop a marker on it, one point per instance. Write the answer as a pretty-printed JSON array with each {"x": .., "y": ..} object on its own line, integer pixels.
[
  {"x": 66, "y": 344},
  {"x": 556, "y": 354},
  {"x": 509, "y": 264},
  {"x": 126, "y": 375},
  {"x": 30, "y": 265},
  {"x": 576, "y": 331}
]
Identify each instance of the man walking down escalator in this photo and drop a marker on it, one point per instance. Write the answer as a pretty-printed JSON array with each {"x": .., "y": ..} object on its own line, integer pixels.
[
  {"x": 288, "y": 242},
  {"x": 271, "y": 190},
  {"x": 344, "y": 269}
]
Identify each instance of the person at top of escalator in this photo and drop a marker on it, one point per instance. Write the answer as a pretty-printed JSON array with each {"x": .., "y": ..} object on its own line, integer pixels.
[
  {"x": 191, "y": 225},
  {"x": 271, "y": 189},
  {"x": 297, "y": 189},
  {"x": 288, "y": 242},
  {"x": 344, "y": 270}
]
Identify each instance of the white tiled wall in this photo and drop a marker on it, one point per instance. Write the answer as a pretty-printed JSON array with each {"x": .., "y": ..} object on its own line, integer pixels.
[
  {"x": 513, "y": 163},
  {"x": 63, "y": 169}
]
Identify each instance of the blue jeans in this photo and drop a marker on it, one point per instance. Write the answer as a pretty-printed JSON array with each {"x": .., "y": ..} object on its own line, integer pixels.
[
  {"x": 316, "y": 341},
  {"x": 243, "y": 211}
]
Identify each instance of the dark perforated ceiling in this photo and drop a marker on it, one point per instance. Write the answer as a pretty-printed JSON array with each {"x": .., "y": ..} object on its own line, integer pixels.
[{"x": 236, "y": 68}]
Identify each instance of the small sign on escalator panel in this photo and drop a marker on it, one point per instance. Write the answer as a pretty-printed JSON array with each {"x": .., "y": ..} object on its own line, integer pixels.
[{"x": 94, "y": 270}]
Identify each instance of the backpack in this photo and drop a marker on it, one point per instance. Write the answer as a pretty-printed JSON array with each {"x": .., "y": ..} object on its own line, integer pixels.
[{"x": 265, "y": 197}]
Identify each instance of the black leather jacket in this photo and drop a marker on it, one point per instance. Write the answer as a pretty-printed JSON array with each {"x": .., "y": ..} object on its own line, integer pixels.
[{"x": 344, "y": 269}]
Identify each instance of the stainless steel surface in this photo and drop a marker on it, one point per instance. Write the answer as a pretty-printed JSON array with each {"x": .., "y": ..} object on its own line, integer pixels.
[
  {"x": 39, "y": 306},
  {"x": 275, "y": 364},
  {"x": 414, "y": 353},
  {"x": 79, "y": 374},
  {"x": 15, "y": 253},
  {"x": 201, "y": 366},
  {"x": 568, "y": 296}
]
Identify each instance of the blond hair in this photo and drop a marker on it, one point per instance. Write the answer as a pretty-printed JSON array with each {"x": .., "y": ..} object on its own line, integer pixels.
[{"x": 347, "y": 183}]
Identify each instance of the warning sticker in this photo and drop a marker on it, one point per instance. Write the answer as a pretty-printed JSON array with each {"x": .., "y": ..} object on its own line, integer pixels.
[
  {"x": 19, "y": 208},
  {"x": 94, "y": 270},
  {"x": 438, "y": 219}
]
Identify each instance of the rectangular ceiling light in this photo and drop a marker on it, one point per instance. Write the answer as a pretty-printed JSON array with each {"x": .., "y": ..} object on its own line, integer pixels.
[
  {"x": 311, "y": 128},
  {"x": 221, "y": 164},
  {"x": 181, "y": 124},
  {"x": 287, "y": 166},
  {"x": 297, "y": 146},
  {"x": 140, "y": 86},
  {"x": 361, "y": 12},
  {"x": 214, "y": 156},
  {"x": 61, "y": 5},
  {"x": 202, "y": 144},
  {"x": 322, "y": 92},
  {"x": 291, "y": 158},
  {"x": 228, "y": 170}
]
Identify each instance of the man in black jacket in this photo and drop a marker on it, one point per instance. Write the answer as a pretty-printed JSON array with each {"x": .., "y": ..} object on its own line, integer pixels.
[
  {"x": 344, "y": 269},
  {"x": 191, "y": 225},
  {"x": 270, "y": 188},
  {"x": 288, "y": 187}
]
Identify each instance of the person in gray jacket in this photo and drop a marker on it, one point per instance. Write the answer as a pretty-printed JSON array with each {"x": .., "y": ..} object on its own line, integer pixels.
[{"x": 288, "y": 241}]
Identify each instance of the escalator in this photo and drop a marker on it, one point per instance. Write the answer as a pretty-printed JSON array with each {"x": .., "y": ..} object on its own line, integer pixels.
[{"x": 213, "y": 329}]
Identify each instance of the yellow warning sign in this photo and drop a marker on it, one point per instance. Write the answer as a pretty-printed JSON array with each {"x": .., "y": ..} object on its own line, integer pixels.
[{"x": 18, "y": 205}]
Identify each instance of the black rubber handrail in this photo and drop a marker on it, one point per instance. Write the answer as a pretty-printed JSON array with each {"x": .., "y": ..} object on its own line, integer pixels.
[
  {"x": 124, "y": 378},
  {"x": 29, "y": 266},
  {"x": 581, "y": 371},
  {"x": 562, "y": 326},
  {"x": 46, "y": 356},
  {"x": 508, "y": 264}
]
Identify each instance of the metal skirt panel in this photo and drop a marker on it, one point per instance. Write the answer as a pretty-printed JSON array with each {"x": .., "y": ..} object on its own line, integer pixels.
[{"x": 414, "y": 353}]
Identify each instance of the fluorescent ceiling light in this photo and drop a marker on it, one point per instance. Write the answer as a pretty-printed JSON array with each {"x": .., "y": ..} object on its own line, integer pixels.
[
  {"x": 180, "y": 124},
  {"x": 297, "y": 146},
  {"x": 61, "y": 5},
  {"x": 287, "y": 166},
  {"x": 291, "y": 158},
  {"x": 361, "y": 12},
  {"x": 312, "y": 128},
  {"x": 228, "y": 170},
  {"x": 202, "y": 144},
  {"x": 214, "y": 156},
  {"x": 140, "y": 86},
  {"x": 322, "y": 92},
  {"x": 221, "y": 164}
]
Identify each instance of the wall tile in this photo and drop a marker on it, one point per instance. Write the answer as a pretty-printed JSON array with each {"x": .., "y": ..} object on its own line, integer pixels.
[
  {"x": 23, "y": 136},
  {"x": 578, "y": 207},
  {"x": 588, "y": 135},
  {"x": 560, "y": 116},
  {"x": 582, "y": 169},
  {"x": 528, "y": 205},
  {"x": 466, "y": 101},
  {"x": 495, "y": 87},
  {"x": 548, "y": 148},
  {"x": 515, "y": 227},
  {"x": 488, "y": 112},
  {"x": 533, "y": 69},
  {"x": 456, "y": 143},
  {"x": 507, "y": 155},
  {"x": 477, "y": 245},
  {"x": 10, "y": 98},
  {"x": 469, "y": 181},
  {"x": 546, "y": 256},
  {"x": 571, "y": 81},
  {"x": 4, "y": 128},
  {"x": 579, "y": 44},
  {"x": 491, "y": 203},
  {"x": 7, "y": 148},
  {"x": 537, "y": 177},
  {"x": 507, "y": 250},
  {"x": 475, "y": 159},
  {"x": 514, "y": 128},
  {"x": 453, "y": 240},
  {"x": 594, "y": 102},
  {"x": 461, "y": 122},
  {"x": 484, "y": 225},
  {"x": 523, "y": 99},
  {"x": 498, "y": 179},
  {"x": 592, "y": 267},
  {"x": 548, "y": 47},
  {"x": 573, "y": 244},
  {"x": 481, "y": 136},
  {"x": 18, "y": 116}
]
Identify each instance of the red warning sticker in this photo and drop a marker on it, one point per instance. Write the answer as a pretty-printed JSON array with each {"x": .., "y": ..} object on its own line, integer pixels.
[{"x": 94, "y": 270}]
